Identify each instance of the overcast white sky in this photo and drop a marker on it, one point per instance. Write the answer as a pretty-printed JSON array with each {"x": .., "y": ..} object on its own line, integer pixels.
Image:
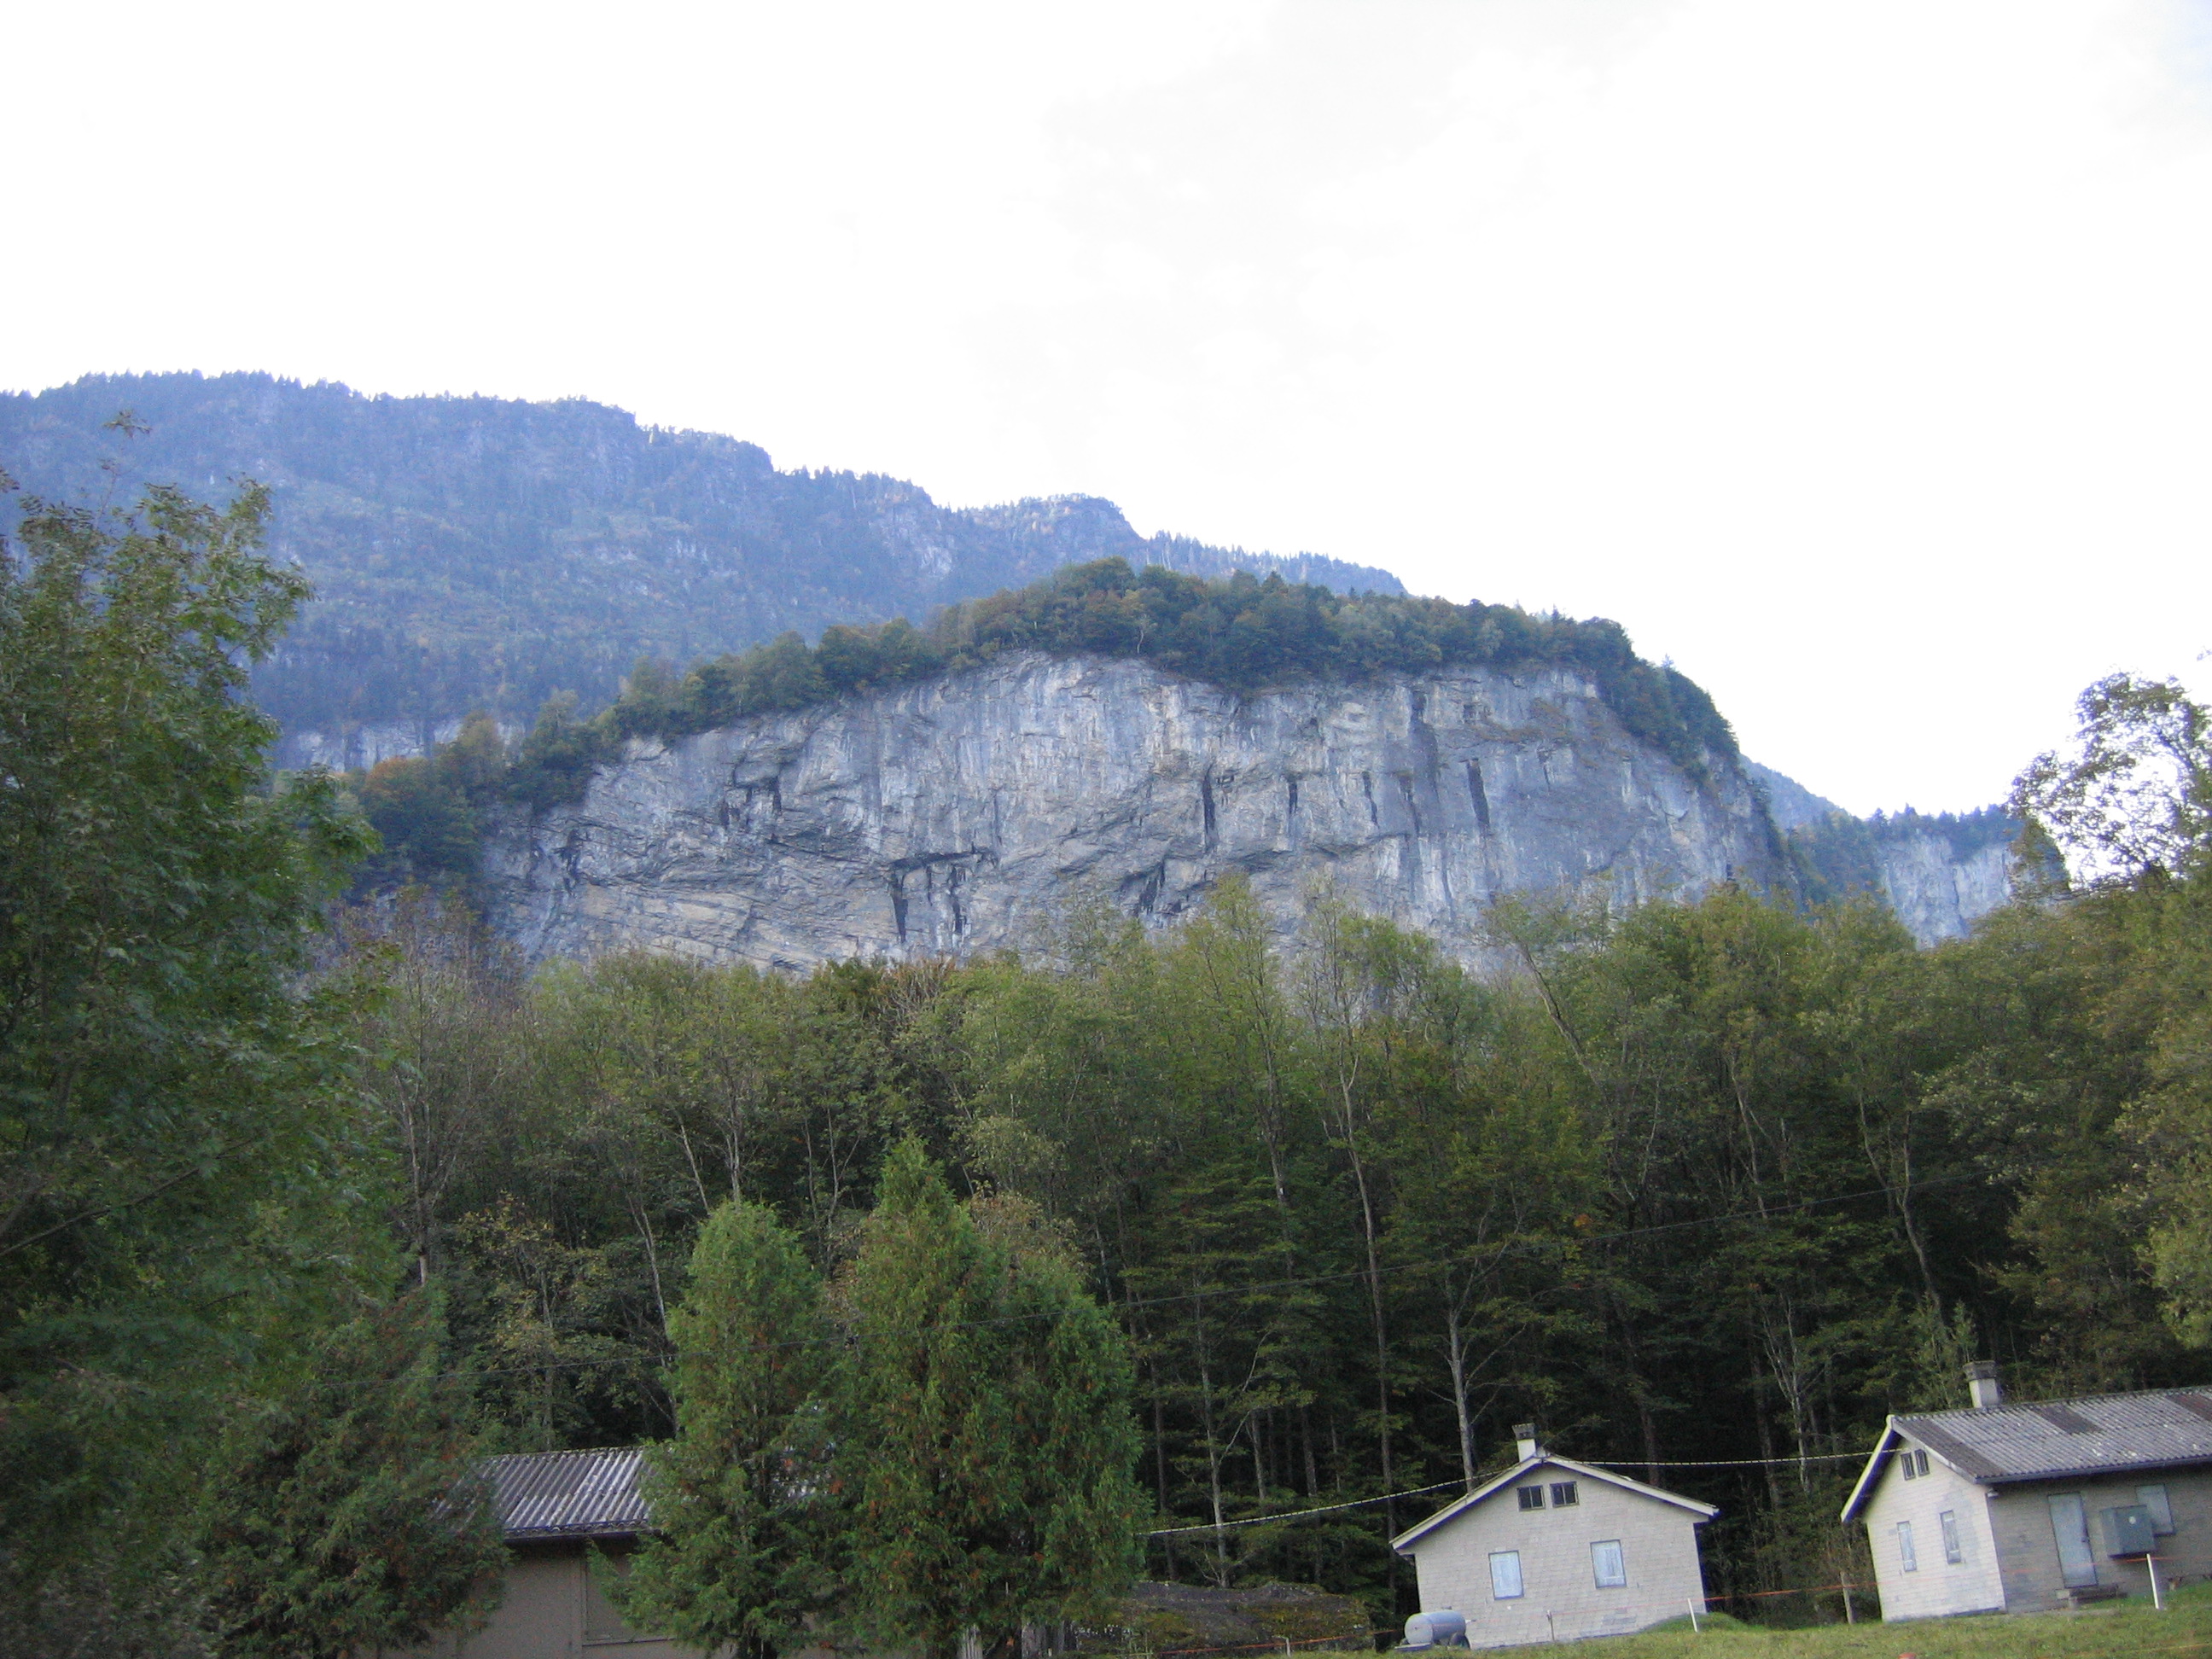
[{"x": 1858, "y": 356}]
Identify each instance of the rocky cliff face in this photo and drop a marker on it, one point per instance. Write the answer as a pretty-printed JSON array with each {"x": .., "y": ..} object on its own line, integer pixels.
[
  {"x": 966, "y": 814},
  {"x": 1940, "y": 888}
]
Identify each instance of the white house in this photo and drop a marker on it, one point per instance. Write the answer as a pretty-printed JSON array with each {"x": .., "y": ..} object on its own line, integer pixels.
[
  {"x": 2027, "y": 1506},
  {"x": 1552, "y": 1550}
]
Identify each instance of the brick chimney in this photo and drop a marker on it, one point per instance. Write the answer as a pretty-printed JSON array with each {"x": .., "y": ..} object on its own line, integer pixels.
[{"x": 1981, "y": 1384}]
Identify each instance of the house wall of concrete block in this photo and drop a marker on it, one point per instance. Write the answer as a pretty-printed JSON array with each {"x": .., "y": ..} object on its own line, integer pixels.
[
  {"x": 2021, "y": 1520},
  {"x": 1935, "y": 1585},
  {"x": 1561, "y": 1598}
]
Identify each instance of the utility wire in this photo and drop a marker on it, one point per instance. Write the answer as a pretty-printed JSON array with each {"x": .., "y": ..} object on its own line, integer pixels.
[
  {"x": 1594, "y": 1462},
  {"x": 1721, "y": 1462},
  {"x": 1293, "y": 1514}
]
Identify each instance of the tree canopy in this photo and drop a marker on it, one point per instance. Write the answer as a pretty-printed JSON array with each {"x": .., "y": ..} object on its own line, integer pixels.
[{"x": 181, "y": 1180}]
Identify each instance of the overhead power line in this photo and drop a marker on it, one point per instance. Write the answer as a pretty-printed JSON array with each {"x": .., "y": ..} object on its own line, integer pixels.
[
  {"x": 1294, "y": 1515},
  {"x": 1443, "y": 1486}
]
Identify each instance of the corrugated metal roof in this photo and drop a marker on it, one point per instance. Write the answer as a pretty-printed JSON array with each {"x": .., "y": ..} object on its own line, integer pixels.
[
  {"x": 568, "y": 1494},
  {"x": 2050, "y": 1440},
  {"x": 2053, "y": 1439}
]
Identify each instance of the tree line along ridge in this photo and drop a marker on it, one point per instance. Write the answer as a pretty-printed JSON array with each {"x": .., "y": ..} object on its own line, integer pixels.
[{"x": 1241, "y": 633}]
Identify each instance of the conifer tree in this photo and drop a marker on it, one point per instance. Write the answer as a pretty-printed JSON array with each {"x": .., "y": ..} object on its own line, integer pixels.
[
  {"x": 984, "y": 1434},
  {"x": 351, "y": 1518},
  {"x": 744, "y": 1520}
]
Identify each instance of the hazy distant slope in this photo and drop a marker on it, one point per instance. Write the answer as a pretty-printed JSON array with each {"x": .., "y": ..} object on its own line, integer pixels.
[{"x": 478, "y": 551}]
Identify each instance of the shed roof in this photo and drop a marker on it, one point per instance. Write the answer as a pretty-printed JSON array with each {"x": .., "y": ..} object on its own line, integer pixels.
[
  {"x": 2054, "y": 1439},
  {"x": 1529, "y": 1465},
  {"x": 568, "y": 1494}
]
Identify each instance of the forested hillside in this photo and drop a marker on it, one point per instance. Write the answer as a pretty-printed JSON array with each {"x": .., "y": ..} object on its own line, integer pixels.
[
  {"x": 1707, "y": 1191},
  {"x": 483, "y": 553}
]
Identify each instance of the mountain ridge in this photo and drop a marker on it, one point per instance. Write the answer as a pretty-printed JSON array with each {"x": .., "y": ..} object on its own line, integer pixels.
[{"x": 483, "y": 552}]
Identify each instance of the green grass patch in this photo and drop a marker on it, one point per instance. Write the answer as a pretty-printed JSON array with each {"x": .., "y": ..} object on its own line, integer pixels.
[{"x": 2110, "y": 1632}]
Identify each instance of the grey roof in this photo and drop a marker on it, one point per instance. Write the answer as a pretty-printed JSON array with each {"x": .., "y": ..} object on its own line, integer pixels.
[
  {"x": 2056, "y": 1439},
  {"x": 570, "y": 1494},
  {"x": 1527, "y": 1466}
]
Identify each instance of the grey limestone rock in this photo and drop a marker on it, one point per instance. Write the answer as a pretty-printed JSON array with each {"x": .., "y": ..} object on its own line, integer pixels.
[
  {"x": 971, "y": 812},
  {"x": 1939, "y": 889}
]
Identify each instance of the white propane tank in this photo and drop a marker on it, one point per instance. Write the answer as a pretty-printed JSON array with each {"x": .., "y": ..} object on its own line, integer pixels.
[{"x": 1443, "y": 1629}]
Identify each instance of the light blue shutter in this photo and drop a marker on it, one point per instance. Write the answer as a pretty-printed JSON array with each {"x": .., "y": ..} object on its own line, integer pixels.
[
  {"x": 1607, "y": 1566},
  {"x": 1505, "y": 1575},
  {"x": 1905, "y": 1552},
  {"x": 2153, "y": 1498}
]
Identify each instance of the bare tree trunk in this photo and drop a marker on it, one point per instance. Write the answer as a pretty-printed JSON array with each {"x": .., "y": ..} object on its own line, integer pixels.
[{"x": 1455, "y": 1355}]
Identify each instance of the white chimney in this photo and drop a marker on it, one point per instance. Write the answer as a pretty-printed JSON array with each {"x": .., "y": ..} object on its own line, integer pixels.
[
  {"x": 1981, "y": 1384},
  {"x": 1524, "y": 1441}
]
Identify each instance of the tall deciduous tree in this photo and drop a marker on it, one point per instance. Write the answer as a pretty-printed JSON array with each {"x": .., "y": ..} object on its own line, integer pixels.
[
  {"x": 984, "y": 1429},
  {"x": 746, "y": 1529},
  {"x": 180, "y": 1186}
]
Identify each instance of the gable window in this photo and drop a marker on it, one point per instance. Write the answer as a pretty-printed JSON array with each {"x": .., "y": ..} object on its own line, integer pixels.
[
  {"x": 1505, "y": 1575},
  {"x": 1562, "y": 1494},
  {"x": 1914, "y": 1462},
  {"x": 2153, "y": 1498},
  {"x": 1532, "y": 1498},
  {"x": 1949, "y": 1522},
  {"x": 1606, "y": 1565},
  {"x": 1906, "y": 1555}
]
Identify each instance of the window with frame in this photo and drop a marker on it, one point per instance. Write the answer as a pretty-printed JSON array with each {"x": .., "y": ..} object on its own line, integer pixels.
[
  {"x": 1607, "y": 1566},
  {"x": 1505, "y": 1575},
  {"x": 1949, "y": 1522},
  {"x": 1532, "y": 1498},
  {"x": 1913, "y": 1461},
  {"x": 1564, "y": 1494},
  {"x": 2155, "y": 1499},
  {"x": 1907, "y": 1558}
]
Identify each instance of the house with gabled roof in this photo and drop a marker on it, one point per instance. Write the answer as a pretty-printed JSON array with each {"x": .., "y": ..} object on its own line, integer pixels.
[
  {"x": 557, "y": 1509},
  {"x": 2026, "y": 1506},
  {"x": 1552, "y": 1551}
]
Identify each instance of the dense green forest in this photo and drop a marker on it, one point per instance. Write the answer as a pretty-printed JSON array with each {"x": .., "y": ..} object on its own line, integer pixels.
[
  {"x": 484, "y": 553},
  {"x": 305, "y": 1205},
  {"x": 1722, "y": 1181}
]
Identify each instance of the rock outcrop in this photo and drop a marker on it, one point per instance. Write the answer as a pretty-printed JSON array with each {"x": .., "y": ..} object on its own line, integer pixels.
[
  {"x": 968, "y": 812},
  {"x": 1941, "y": 884}
]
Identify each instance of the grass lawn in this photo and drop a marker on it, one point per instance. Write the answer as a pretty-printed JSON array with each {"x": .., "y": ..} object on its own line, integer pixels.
[{"x": 2184, "y": 1631}]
